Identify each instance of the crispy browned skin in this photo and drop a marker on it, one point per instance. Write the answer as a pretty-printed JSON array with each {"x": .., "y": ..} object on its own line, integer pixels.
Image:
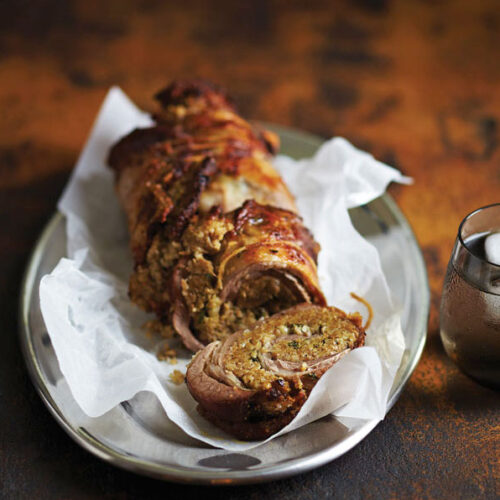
[
  {"x": 207, "y": 259},
  {"x": 198, "y": 155},
  {"x": 253, "y": 383}
]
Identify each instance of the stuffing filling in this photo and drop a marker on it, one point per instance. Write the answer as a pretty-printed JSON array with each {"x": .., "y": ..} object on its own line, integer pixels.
[
  {"x": 307, "y": 336},
  {"x": 199, "y": 256},
  {"x": 213, "y": 318}
]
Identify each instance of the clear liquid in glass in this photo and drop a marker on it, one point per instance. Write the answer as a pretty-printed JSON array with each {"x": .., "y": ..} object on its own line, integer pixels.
[{"x": 470, "y": 318}]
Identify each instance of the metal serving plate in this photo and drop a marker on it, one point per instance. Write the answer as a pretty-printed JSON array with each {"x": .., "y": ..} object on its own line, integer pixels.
[{"x": 139, "y": 437}]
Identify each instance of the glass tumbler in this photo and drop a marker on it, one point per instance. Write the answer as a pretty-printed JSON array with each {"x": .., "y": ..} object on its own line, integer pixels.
[{"x": 470, "y": 304}]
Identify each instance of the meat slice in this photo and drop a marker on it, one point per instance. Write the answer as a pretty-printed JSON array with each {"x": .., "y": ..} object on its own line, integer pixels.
[{"x": 254, "y": 382}]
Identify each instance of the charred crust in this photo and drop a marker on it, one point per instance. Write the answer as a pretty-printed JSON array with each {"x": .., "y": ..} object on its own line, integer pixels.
[
  {"x": 186, "y": 207},
  {"x": 180, "y": 91},
  {"x": 135, "y": 143},
  {"x": 270, "y": 139}
]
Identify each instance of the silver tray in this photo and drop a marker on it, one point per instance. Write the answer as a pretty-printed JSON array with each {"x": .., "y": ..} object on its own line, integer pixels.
[{"x": 139, "y": 437}]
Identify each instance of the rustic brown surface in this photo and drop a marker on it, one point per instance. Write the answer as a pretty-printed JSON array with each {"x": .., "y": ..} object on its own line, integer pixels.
[{"x": 415, "y": 83}]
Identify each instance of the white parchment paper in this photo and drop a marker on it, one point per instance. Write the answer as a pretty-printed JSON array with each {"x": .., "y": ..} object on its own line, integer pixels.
[{"x": 96, "y": 332}]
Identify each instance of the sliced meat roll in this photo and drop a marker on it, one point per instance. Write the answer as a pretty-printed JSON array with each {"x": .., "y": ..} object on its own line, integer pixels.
[
  {"x": 254, "y": 382},
  {"x": 214, "y": 235}
]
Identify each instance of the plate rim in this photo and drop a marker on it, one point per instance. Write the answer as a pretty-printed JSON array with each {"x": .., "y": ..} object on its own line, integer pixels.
[{"x": 182, "y": 474}]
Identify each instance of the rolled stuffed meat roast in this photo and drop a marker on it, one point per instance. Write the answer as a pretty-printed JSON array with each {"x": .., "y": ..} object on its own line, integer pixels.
[
  {"x": 255, "y": 381},
  {"x": 216, "y": 241},
  {"x": 221, "y": 256}
]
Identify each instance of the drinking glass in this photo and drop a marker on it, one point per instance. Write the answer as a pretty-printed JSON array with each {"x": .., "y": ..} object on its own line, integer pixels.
[{"x": 470, "y": 304}]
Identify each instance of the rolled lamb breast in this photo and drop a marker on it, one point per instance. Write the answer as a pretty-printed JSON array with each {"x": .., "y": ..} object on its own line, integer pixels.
[{"x": 216, "y": 241}]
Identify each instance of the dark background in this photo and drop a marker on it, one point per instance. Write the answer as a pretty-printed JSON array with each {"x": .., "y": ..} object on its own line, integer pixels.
[{"x": 416, "y": 83}]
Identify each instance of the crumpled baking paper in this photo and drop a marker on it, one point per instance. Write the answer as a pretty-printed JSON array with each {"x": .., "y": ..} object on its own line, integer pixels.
[{"x": 96, "y": 332}]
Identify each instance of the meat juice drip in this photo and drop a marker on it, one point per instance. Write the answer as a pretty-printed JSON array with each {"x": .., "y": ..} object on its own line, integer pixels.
[{"x": 470, "y": 321}]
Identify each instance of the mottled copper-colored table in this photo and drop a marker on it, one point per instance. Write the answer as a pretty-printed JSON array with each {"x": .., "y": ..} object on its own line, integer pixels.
[{"x": 414, "y": 83}]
